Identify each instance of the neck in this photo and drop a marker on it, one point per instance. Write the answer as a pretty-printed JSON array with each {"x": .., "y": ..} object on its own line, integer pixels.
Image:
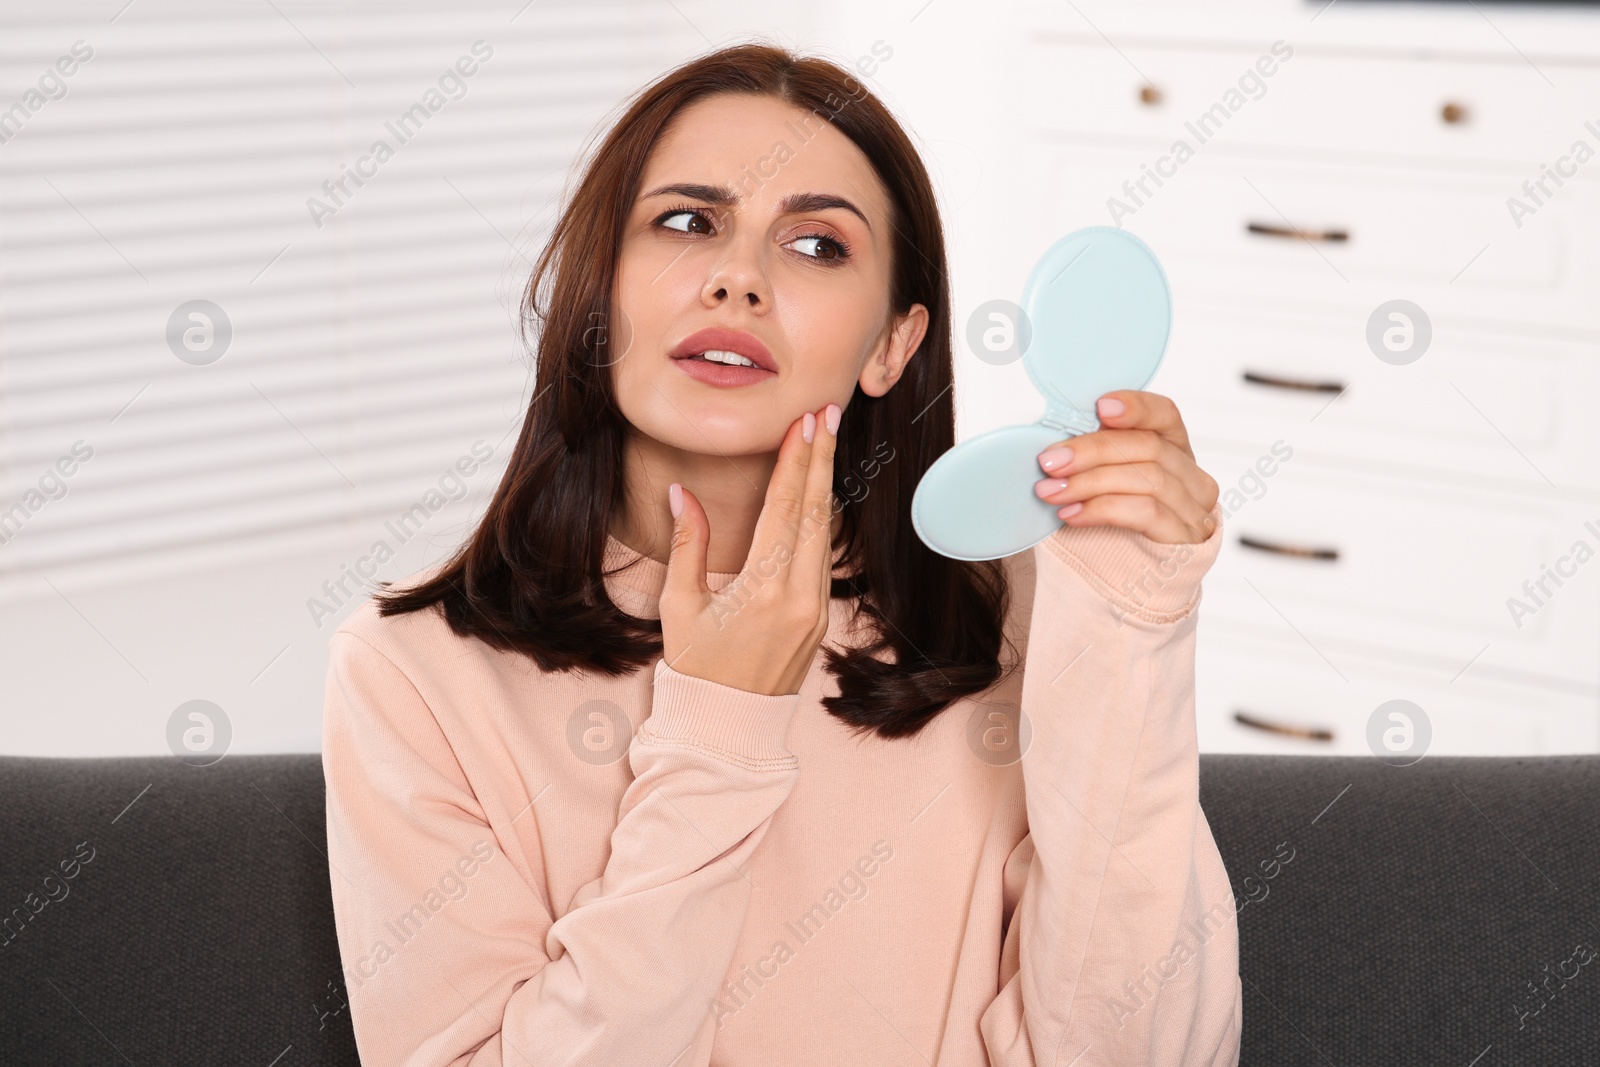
[{"x": 731, "y": 489}]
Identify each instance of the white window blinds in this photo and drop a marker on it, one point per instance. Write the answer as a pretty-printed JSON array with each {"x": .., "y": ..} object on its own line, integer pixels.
[{"x": 343, "y": 201}]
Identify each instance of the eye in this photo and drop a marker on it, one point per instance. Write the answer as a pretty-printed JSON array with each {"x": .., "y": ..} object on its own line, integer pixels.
[
  {"x": 827, "y": 249},
  {"x": 686, "y": 213}
]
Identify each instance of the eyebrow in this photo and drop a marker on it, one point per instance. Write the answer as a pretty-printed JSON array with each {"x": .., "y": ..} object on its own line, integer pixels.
[{"x": 793, "y": 204}]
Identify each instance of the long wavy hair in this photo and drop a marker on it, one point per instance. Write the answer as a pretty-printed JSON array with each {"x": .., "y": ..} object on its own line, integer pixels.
[{"x": 530, "y": 578}]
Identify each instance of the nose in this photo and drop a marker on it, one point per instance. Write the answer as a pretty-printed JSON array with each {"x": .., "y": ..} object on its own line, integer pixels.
[{"x": 737, "y": 275}]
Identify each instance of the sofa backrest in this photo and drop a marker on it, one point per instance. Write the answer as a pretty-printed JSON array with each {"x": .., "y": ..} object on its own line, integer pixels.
[
  {"x": 155, "y": 912},
  {"x": 1421, "y": 908},
  {"x": 197, "y": 926}
]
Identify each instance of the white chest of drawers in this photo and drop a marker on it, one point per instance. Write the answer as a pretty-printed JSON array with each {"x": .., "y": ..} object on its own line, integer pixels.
[{"x": 1423, "y": 527}]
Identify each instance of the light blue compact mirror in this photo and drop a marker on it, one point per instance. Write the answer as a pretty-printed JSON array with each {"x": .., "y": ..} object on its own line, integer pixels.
[{"x": 1100, "y": 311}]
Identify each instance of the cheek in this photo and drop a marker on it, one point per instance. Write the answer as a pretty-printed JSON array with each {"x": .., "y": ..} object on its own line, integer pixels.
[
  {"x": 660, "y": 272},
  {"x": 638, "y": 317},
  {"x": 650, "y": 299},
  {"x": 622, "y": 334},
  {"x": 830, "y": 332}
]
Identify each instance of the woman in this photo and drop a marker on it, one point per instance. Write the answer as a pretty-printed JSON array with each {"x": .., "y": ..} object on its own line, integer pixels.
[{"x": 544, "y": 853}]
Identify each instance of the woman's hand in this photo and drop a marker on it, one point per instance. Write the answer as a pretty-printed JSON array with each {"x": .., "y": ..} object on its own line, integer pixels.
[
  {"x": 1137, "y": 471},
  {"x": 760, "y": 632}
]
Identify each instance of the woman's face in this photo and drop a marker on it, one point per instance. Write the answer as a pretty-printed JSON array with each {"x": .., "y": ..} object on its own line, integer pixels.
[{"x": 766, "y": 245}]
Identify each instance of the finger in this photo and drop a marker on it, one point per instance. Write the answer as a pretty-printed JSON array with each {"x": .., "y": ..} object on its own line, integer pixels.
[
  {"x": 1139, "y": 411},
  {"x": 816, "y": 522},
  {"x": 1145, "y": 411},
  {"x": 827, "y": 551},
  {"x": 1177, "y": 492},
  {"x": 1110, "y": 448},
  {"x": 1142, "y": 514},
  {"x": 825, "y": 557},
  {"x": 779, "y": 520},
  {"x": 686, "y": 565}
]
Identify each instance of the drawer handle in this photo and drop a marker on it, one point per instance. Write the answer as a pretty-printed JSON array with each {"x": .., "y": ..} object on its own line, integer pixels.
[
  {"x": 1268, "y": 229},
  {"x": 1453, "y": 113},
  {"x": 1308, "y": 733},
  {"x": 1256, "y": 378},
  {"x": 1149, "y": 95},
  {"x": 1288, "y": 550}
]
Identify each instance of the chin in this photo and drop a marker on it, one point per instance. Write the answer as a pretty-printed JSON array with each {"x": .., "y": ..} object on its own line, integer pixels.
[
  {"x": 733, "y": 437},
  {"x": 727, "y": 425}
]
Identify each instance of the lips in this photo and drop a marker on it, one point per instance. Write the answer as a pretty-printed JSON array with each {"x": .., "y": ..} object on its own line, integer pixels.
[
  {"x": 723, "y": 375},
  {"x": 716, "y": 338}
]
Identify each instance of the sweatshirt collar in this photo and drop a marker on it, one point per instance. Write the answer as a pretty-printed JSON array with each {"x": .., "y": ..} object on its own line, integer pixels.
[{"x": 634, "y": 580}]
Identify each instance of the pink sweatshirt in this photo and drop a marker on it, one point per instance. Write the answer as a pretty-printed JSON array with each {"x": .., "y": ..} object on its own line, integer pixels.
[{"x": 663, "y": 871}]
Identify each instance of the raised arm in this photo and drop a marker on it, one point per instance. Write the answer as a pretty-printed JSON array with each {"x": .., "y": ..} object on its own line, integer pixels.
[
  {"x": 1120, "y": 945},
  {"x": 494, "y": 974}
]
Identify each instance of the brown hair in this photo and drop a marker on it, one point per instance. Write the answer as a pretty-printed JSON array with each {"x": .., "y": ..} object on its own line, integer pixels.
[{"x": 530, "y": 579}]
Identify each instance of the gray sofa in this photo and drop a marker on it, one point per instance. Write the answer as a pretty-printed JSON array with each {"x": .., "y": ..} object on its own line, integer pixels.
[{"x": 1433, "y": 914}]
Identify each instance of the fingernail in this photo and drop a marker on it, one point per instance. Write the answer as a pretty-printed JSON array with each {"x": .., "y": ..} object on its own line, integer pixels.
[
  {"x": 675, "y": 499},
  {"x": 1049, "y": 486},
  {"x": 1111, "y": 407},
  {"x": 1069, "y": 510},
  {"x": 831, "y": 414},
  {"x": 1055, "y": 457},
  {"x": 808, "y": 427}
]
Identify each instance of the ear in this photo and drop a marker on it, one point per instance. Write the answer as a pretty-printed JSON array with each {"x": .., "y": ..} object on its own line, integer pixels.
[{"x": 886, "y": 365}]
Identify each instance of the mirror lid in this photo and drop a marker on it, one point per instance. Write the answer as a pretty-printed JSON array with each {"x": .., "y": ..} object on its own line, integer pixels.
[{"x": 1101, "y": 292}]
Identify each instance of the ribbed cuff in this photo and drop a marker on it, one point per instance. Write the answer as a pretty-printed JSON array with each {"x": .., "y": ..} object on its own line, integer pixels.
[
  {"x": 1139, "y": 576},
  {"x": 745, "y": 727}
]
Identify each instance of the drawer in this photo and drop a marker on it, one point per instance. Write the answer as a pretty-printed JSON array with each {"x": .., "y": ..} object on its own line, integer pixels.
[
  {"x": 1553, "y": 35},
  {"x": 1285, "y": 96},
  {"x": 1479, "y": 408},
  {"x": 1273, "y": 699},
  {"x": 1262, "y": 235},
  {"x": 1375, "y": 566}
]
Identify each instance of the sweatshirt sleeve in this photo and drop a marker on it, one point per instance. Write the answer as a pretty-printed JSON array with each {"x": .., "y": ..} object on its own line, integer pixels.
[
  {"x": 1120, "y": 944},
  {"x": 490, "y": 974}
]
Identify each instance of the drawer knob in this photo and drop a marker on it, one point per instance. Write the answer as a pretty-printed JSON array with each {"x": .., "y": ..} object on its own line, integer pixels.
[
  {"x": 1453, "y": 113},
  {"x": 1149, "y": 95},
  {"x": 1309, "y": 733},
  {"x": 1298, "y": 551},
  {"x": 1277, "y": 382},
  {"x": 1272, "y": 229}
]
